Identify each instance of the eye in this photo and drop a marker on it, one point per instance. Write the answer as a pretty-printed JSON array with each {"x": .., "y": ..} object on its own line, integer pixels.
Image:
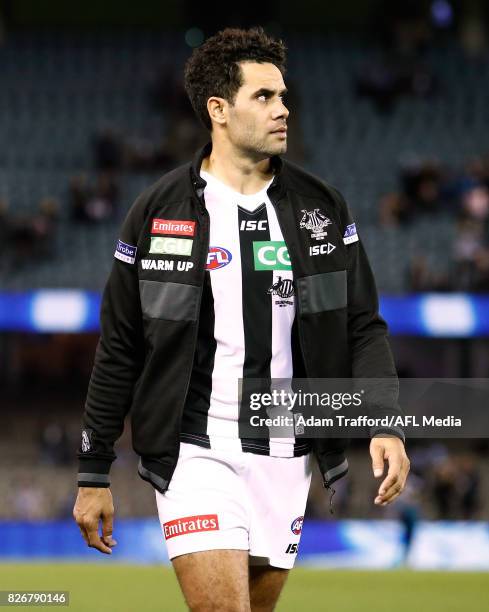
[{"x": 262, "y": 98}]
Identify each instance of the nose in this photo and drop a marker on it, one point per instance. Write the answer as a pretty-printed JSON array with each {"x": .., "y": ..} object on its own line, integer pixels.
[{"x": 280, "y": 110}]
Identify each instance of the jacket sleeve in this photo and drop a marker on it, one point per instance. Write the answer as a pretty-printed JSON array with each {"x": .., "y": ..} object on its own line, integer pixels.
[
  {"x": 371, "y": 355},
  {"x": 119, "y": 358}
]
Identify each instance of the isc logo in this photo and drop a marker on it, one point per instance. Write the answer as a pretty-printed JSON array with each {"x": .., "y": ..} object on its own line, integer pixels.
[
  {"x": 252, "y": 226},
  {"x": 217, "y": 257},
  {"x": 322, "y": 249}
]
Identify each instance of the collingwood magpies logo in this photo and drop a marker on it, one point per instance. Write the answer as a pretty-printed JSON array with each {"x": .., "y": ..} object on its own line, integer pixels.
[
  {"x": 284, "y": 288},
  {"x": 85, "y": 444},
  {"x": 315, "y": 221}
]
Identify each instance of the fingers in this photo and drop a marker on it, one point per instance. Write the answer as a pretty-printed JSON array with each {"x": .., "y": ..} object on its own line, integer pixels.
[
  {"x": 90, "y": 507},
  {"x": 94, "y": 540},
  {"x": 84, "y": 533},
  {"x": 392, "y": 486},
  {"x": 392, "y": 483},
  {"x": 107, "y": 521},
  {"x": 377, "y": 454}
]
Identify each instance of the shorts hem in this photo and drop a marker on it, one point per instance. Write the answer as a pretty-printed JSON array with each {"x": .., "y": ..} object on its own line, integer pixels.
[
  {"x": 262, "y": 560},
  {"x": 204, "y": 548}
]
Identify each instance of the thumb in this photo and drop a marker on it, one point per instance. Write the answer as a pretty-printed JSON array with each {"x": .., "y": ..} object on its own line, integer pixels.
[
  {"x": 107, "y": 528},
  {"x": 377, "y": 454}
]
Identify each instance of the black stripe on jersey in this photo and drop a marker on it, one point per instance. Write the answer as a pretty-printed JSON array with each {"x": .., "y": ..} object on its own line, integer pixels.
[
  {"x": 257, "y": 319},
  {"x": 196, "y": 410},
  {"x": 201, "y": 440}
]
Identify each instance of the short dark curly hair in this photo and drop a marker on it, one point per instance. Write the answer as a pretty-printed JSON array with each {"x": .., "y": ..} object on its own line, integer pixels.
[{"x": 213, "y": 68}]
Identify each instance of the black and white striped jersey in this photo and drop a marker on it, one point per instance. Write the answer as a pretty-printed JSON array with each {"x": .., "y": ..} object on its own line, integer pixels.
[{"x": 247, "y": 312}]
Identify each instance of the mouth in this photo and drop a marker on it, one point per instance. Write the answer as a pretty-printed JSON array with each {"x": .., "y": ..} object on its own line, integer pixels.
[{"x": 280, "y": 132}]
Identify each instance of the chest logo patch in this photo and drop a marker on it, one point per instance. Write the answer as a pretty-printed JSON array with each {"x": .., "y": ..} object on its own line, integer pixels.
[
  {"x": 217, "y": 257},
  {"x": 282, "y": 288},
  {"x": 271, "y": 255},
  {"x": 315, "y": 221}
]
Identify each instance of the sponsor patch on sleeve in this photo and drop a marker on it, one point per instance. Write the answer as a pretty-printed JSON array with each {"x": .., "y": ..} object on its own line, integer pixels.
[
  {"x": 173, "y": 227},
  {"x": 125, "y": 252},
  {"x": 350, "y": 234}
]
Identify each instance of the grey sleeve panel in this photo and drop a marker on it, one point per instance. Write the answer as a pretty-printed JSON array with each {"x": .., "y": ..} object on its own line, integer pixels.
[
  {"x": 170, "y": 301},
  {"x": 159, "y": 483},
  {"x": 336, "y": 472},
  {"x": 95, "y": 478},
  {"x": 321, "y": 292}
]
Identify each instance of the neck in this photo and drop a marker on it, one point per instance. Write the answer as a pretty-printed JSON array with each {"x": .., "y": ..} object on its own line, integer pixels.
[{"x": 237, "y": 169}]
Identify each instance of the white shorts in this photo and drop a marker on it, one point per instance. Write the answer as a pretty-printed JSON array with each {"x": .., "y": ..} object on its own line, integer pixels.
[{"x": 235, "y": 500}]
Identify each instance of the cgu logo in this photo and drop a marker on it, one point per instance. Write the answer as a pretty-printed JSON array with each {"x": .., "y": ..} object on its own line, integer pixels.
[
  {"x": 217, "y": 257},
  {"x": 271, "y": 255},
  {"x": 252, "y": 226}
]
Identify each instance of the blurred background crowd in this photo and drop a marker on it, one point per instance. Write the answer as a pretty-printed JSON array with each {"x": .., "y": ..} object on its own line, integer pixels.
[{"x": 392, "y": 109}]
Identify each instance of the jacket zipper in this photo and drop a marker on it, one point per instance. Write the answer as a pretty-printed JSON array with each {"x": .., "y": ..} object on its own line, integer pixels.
[
  {"x": 301, "y": 343},
  {"x": 194, "y": 341},
  {"x": 326, "y": 483}
]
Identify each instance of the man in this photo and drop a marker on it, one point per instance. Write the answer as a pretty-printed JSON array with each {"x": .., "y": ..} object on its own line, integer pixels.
[{"x": 216, "y": 279}]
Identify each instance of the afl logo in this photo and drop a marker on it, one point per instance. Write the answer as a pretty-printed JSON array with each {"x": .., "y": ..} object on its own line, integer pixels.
[
  {"x": 296, "y": 526},
  {"x": 217, "y": 257}
]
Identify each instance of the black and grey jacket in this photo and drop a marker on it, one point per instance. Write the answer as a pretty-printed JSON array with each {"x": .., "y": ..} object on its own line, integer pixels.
[{"x": 149, "y": 322}]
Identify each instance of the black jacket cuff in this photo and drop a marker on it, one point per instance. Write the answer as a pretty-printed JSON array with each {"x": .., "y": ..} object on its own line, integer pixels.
[{"x": 93, "y": 472}]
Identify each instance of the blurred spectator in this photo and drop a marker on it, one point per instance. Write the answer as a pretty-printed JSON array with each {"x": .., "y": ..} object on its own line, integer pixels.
[
  {"x": 388, "y": 79},
  {"x": 167, "y": 95},
  {"x": 45, "y": 225},
  {"x": 28, "y": 499},
  {"x": 80, "y": 192},
  {"x": 467, "y": 247},
  {"x": 444, "y": 488},
  {"x": 185, "y": 136},
  {"x": 108, "y": 150},
  {"x": 145, "y": 156},
  {"x": 404, "y": 31},
  {"x": 475, "y": 202},
  {"x": 407, "y": 508},
  {"x": 94, "y": 204},
  {"x": 55, "y": 447},
  {"x": 421, "y": 276},
  {"x": 422, "y": 192},
  {"x": 103, "y": 203},
  {"x": 468, "y": 486},
  {"x": 35, "y": 235}
]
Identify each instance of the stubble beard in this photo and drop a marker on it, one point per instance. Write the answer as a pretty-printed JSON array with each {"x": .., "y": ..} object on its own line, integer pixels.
[{"x": 261, "y": 148}]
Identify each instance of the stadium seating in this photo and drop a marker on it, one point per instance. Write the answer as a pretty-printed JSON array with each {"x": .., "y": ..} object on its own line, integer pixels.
[{"x": 58, "y": 88}]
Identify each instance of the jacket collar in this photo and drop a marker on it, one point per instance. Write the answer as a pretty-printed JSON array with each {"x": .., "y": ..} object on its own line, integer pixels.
[{"x": 199, "y": 184}]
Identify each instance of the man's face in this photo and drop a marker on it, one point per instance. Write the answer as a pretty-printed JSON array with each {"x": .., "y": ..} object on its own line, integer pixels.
[{"x": 257, "y": 121}]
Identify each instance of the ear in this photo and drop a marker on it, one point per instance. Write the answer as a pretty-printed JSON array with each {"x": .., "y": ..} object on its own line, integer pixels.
[{"x": 217, "y": 109}]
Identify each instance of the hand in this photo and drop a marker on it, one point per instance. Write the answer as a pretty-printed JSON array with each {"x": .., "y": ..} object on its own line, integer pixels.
[
  {"x": 93, "y": 504},
  {"x": 392, "y": 449}
]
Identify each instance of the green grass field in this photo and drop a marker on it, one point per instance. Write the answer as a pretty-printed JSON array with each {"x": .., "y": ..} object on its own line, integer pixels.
[{"x": 127, "y": 588}]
